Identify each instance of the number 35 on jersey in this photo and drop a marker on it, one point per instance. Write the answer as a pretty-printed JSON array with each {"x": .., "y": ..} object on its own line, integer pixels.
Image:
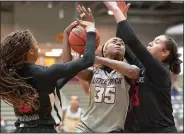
[{"x": 105, "y": 95}]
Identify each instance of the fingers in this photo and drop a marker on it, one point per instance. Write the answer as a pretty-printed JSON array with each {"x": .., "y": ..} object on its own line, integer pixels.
[
  {"x": 128, "y": 5},
  {"x": 89, "y": 10},
  {"x": 79, "y": 9},
  {"x": 78, "y": 21},
  {"x": 75, "y": 23},
  {"x": 84, "y": 10},
  {"x": 121, "y": 4}
]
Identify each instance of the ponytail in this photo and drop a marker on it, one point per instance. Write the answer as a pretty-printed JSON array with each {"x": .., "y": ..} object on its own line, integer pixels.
[
  {"x": 173, "y": 58},
  {"x": 175, "y": 65}
]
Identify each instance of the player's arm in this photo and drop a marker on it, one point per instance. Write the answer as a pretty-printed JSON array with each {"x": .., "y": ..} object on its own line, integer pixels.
[
  {"x": 85, "y": 86},
  {"x": 61, "y": 82},
  {"x": 66, "y": 53},
  {"x": 57, "y": 71},
  {"x": 131, "y": 71},
  {"x": 84, "y": 75},
  {"x": 152, "y": 65},
  {"x": 129, "y": 55}
]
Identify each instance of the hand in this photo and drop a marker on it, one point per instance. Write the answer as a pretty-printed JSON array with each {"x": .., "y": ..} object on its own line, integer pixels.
[
  {"x": 112, "y": 6},
  {"x": 84, "y": 23},
  {"x": 76, "y": 56},
  {"x": 70, "y": 27},
  {"x": 85, "y": 15},
  {"x": 123, "y": 7}
]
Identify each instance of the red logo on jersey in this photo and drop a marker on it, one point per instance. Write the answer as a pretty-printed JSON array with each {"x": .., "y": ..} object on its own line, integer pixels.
[
  {"x": 24, "y": 109},
  {"x": 135, "y": 98}
]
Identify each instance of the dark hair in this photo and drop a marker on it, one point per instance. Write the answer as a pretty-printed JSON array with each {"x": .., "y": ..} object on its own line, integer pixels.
[
  {"x": 102, "y": 50},
  {"x": 13, "y": 88},
  {"x": 173, "y": 58}
]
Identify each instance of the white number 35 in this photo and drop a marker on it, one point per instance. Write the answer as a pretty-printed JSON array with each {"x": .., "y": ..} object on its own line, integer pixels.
[{"x": 106, "y": 95}]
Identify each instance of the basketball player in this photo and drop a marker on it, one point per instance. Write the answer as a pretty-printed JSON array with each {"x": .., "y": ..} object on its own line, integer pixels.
[
  {"x": 108, "y": 88},
  {"x": 71, "y": 115},
  {"x": 151, "y": 110},
  {"x": 27, "y": 87}
]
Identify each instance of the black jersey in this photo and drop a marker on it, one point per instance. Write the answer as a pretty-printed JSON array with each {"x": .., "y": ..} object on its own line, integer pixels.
[
  {"x": 151, "y": 108},
  {"x": 47, "y": 81}
]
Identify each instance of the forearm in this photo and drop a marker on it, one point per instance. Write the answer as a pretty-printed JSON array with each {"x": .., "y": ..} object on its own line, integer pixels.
[
  {"x": 66, "y": 53},
  {"x": 63, "y": 81},
  {"x": 120, "y": 66},
  {"x": 118, "y": 15},
  {"x": 129, "y": 55},
  {"x": 58, "y": 71},
  {"x": 126, "y": 33}
]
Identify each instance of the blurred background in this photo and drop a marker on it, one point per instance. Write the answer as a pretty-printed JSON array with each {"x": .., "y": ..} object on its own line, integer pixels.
[{"x": 47, "y": 20}]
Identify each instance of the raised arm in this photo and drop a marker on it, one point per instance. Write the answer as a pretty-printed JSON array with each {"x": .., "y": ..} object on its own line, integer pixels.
[
  {"x": 57, "y": 71},
  {"x": 131, "y": 71},
  {"x": 66, "y": 55},
  {"x": 129, "y": 55},
  {"x": 151, "y": 64}
]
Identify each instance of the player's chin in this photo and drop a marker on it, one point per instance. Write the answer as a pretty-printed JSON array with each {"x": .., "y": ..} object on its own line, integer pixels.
[
  {"x": 118, "y": 51},
  {"x": 118, "y": 54}
]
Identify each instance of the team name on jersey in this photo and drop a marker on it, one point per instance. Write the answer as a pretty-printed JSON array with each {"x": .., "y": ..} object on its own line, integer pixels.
[{"x": 107, "y": 81}]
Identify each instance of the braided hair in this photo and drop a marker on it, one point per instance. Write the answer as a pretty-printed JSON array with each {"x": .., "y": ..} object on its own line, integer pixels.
[{"x": 13, "y": 88}]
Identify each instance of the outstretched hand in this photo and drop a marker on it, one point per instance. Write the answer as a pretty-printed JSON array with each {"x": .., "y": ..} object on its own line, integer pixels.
[
  {"x": 123, "y": 7},
  {"x": 85, "y": 15}
]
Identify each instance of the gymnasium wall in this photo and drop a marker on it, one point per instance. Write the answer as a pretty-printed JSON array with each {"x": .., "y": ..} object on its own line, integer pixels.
[{"x": 45, "y": 23}]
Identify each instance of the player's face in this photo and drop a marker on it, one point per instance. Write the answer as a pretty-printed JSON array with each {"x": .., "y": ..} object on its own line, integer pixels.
[
  {"x": 34, "y": 51},
  {"x": 74, "y": 103},
  {"x": 115, "y": 47},
  {"x": 157, "y": 47}
]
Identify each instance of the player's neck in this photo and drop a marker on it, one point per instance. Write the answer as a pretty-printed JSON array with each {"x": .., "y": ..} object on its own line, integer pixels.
[
  {"x": 114, "y": 57},
  {"x": 73, "y": 109},
  {"x": 106, "y": 68}
]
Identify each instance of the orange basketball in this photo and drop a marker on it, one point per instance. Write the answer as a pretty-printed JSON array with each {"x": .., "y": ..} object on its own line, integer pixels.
[{"x": 77, "y": 39}]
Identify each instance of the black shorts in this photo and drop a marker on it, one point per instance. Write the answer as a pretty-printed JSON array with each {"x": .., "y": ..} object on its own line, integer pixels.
[{"x": 38, "y": 129}]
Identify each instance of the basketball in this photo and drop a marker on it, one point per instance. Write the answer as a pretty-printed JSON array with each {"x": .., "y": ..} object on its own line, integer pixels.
[{"x": 77, "y": 39}]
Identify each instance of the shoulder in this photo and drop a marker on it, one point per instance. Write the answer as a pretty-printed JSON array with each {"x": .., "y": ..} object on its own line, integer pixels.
[{"x": 37, "y": 69}]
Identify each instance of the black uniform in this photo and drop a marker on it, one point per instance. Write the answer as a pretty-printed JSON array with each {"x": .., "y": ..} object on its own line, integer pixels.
[
  {"x": 151, "y": 109},
  {"x": 47, "y": 80}
]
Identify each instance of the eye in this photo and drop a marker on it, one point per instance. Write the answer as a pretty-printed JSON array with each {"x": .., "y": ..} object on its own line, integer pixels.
[
  {"x": 157, "y": 41},
  {"x": 114, "y": 41},
  {"x": 122, "y": 43}
]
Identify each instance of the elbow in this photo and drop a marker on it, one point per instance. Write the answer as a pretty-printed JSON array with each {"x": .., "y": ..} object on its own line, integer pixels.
[
  {"x": 133, "y": 72},
  {"x": 133, "y": 75}
]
